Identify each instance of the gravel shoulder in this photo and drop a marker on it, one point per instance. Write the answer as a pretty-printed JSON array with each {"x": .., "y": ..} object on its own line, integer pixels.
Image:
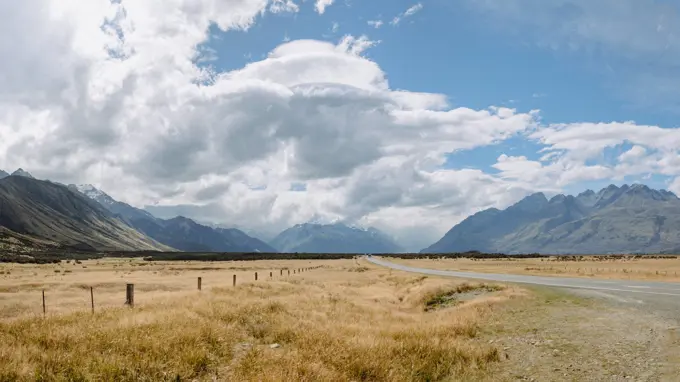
[{"x": 565, "y": 335}]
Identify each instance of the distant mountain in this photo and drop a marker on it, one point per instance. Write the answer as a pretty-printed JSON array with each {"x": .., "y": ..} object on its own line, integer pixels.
[
  {"x": 21, "y": 172},
  {"x": 123, "y": 210},
  {"x": 181, "y": 233},
  {"x": 3, "y": 174},
  {"x": 626, "y": 219},
  {"x": 52, "y": 214},
  {"x": 187, "y": 235},
  {"x": 265, "y": 235},
  {"x": 333, "y": 238}
]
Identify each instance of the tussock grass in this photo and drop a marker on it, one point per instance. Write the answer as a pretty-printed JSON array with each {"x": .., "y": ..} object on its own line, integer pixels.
[
  {"x": 331, "y": 325},
  {"x": 658, "y": 268}
]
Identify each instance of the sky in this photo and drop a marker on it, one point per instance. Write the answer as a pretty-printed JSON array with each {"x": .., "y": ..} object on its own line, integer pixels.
[{"x": 406, "y": 116}]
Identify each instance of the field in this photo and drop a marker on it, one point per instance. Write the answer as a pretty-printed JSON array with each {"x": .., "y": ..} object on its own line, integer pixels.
[
  {"x": 666, "y": 268},
  {"x": 341, "y": 320}
]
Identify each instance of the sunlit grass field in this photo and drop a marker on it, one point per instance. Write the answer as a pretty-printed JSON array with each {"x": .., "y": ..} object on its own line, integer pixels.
[{"x": 342, "y": 320}]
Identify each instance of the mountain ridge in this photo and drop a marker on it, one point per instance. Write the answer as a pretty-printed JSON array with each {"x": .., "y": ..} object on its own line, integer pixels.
[
  {"x": 334, "y": 238},
  {"x": 629, "y": 219},
  {"x": 52, "y": 213},
  {"x": 179, "y": 232}
]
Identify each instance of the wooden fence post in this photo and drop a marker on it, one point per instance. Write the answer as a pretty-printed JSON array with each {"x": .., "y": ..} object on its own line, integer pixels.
[
  {"x": 130, "y": 295},
  {"x": 234, "y": 282},
  {"x": 281, "y": 273},
  {"x": 200, "y": 279},
  {"x": 43, "y": 298},
  {"x": 270, "y": 275},
  {"x": 92, "y": 299},
  {"x": 255, "y": 276},
  {"x": 289, "y": 272}
]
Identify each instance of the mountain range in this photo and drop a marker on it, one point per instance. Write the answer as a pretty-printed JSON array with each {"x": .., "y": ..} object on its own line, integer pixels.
[
  {"x": 626, "y": 219},
  {"x": 180, "y": 232},
  {"x": 18, "y": 172},
  {"x": 44, "y": 214},
  {"x": 334, "y": 238},
  {"x": 52, "y": 216}
]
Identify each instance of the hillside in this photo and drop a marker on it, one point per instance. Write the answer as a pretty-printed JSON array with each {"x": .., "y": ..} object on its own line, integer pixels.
[
  {"x": 186, "y": 235},
  {"x": 180, "y": 232},
  {"x": 626, "y": 219},
  {"x": 333, "y": 238},
  {"x": 125, "y": 211},
  {"x": 51, "y": 213}
]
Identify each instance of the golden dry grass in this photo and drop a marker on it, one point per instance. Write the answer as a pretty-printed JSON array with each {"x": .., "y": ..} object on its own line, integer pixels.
[
  {"x": 346, "y": 321},
  {"x": 628, "y": 268}
]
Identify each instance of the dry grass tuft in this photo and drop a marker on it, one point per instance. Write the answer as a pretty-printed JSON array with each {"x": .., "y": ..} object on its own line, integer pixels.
[
  {"x": 333, "y": 324},
  {"x": 622, "y": 268}
]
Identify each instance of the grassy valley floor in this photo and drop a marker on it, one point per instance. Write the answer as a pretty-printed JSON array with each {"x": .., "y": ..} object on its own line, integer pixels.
[
  {"x": 343, "y": 320},
  {"x": 644, "y": 268}
]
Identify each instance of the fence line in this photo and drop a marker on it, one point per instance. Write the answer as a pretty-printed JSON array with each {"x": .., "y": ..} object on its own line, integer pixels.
[{"x": 130, "y": 289}]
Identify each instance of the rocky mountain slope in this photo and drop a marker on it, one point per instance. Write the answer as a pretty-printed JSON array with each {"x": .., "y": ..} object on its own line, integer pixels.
[
  {"x": 181, "y": 233},
  {"x": 187, "y": 235},
  {"x": 626, "y": 219},
  {"x": 51, "y": 213},
  {"x": 125, "y": 211},
  {"x": 333, "y": 238},
  {"x": 21, "y": 172}
]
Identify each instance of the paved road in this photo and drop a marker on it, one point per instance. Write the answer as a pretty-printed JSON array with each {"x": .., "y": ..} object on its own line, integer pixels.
[{"x": 642, "y": 289}]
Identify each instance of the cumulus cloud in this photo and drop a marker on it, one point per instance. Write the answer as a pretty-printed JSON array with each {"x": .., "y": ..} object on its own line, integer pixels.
[
  {"x": 575, "y": 152},
  {"x": 321, "y": 5},
  {"x": 634, "y": 153}
]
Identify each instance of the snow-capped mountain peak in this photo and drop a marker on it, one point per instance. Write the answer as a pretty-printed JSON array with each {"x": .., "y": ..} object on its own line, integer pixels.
[
  {"x": 323, "y": 220},
  {"x": 22, "y": 172},
  {"x": 93, "y": 192}
]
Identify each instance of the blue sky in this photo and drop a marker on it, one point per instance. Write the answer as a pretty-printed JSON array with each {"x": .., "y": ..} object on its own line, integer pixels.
[{"x": 474, "y": 58}]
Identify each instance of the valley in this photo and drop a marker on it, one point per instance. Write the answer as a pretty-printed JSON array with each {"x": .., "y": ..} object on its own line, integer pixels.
[{"x": 213, "y": 303}]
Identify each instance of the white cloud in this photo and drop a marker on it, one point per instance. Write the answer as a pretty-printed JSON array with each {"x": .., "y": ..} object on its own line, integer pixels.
[
  {"x": 279, "y": 6},
  {"x": 413, "y": 10},
  {"x": 675, "y": 186},
  {"x": 321, "y": 5},
  {"x": 575, "y": 153},
  {"x": 375, "y": 23},
  {"x": 408, "y": 13},
  {"x": 634, "y": 153}
]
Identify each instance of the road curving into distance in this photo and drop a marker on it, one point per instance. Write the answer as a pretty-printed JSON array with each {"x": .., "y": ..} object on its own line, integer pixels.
[{"x": 641, "y": 289}]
